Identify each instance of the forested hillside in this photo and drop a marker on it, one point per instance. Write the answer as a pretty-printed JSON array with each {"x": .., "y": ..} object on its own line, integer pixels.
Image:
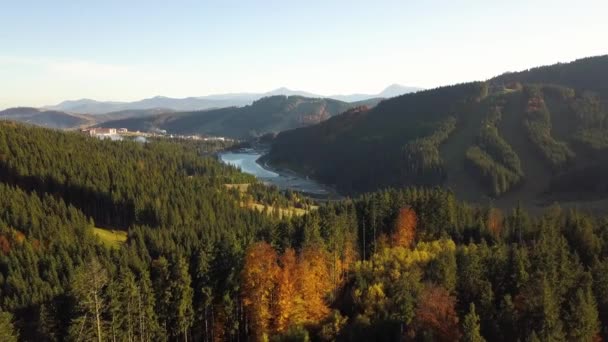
[
  {"x": 535, "y": 134},
  {"x": 266, "y": 115},
  {"x": 197, "y": 265},
  {"x": 45, "y": 118}
]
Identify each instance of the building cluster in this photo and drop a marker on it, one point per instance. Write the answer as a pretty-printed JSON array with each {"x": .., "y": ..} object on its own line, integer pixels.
[{"x": 101, "y": 132}]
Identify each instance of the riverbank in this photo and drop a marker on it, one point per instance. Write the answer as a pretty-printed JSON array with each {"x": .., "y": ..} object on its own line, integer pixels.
[
  {"x": 252, "y": 162},
  {"x": 332, "y": 194}
]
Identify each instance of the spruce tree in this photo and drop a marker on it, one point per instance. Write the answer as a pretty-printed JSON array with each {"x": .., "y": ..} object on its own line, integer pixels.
[
  {"x": 551, "y": 328},
  {"x": 7, "y": 330},
  {"x": 582, "y": 320},
  {"x": 181, "y": 298},
  {"x": 470, "y": 326},
  {"x": 88, "y": 287}
]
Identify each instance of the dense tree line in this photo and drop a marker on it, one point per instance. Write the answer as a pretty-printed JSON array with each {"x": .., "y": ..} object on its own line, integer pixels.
[
  {"x": 422, "y": 162},
  {"x": 410, "y": 264},
  {"x": 583, "y": 74},
  {"x": 118, "y": 184}
]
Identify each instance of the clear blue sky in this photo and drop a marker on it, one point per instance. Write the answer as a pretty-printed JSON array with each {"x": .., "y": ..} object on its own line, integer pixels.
[{"x": 125, "y": 50}]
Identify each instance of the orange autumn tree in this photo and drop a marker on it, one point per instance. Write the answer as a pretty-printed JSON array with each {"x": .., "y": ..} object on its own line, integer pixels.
[
  {"x": 349, "y": 257},
  {"x": 495, "y": 222},
  {"x": 405, "y": 228},
  {"x": 436, "y": 314},
  {"x": 259, "y": 277},
  {"x": 286, "y": 309},
  {"x": 5, "y": 245},
  {"x": 283, "y": 291}
]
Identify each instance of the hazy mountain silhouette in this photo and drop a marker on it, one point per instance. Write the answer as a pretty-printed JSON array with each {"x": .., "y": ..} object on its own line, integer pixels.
[{"x": 89, "y": 106}]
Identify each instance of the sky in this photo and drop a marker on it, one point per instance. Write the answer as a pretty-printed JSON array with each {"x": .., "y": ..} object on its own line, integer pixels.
[{"x": 126, "y": 50}]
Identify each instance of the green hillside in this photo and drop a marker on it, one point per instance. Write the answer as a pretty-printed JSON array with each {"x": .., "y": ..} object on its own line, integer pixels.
[
  {"x": 45, "y": 118},
  {"x": 269, "y": 114},
  {"x": 519, "y": 136}
]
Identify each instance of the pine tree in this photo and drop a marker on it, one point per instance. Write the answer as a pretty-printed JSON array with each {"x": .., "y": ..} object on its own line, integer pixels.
[
  {"x": 88, "y": 288},
  {"x": 470, "y": 326},
  {"x": 161, "y": 284},
  {"x": 181, "y": 298},
  {"x": 147, "y": 321},
  {"x": 7, "y": 330},
  {"x": 582, "y": 321},
  {"x": 203, "y": 294},
  {"x": 551, "y": 328},
  {"x": 123, "y": 294}
]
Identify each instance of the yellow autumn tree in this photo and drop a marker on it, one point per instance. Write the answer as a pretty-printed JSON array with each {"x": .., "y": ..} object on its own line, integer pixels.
[
  {"x": 259, "y": 277},
  {"x": 314, "y": 282}
]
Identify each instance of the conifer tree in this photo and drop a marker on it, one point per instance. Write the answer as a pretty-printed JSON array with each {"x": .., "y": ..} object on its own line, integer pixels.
[
  {"x": 470, "y": 326},
  {"x": 7, "y": 329},
  {"x": 582, "y": 319},
  {"x": 181, "y": 298},
  {"x": 551, "y": 328},
  {"x": 88, "y": 287}
]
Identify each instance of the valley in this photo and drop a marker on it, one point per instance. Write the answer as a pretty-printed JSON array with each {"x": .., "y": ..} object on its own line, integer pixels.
[
  {"x": 203, "y": 171},
  {"x": 249, "y": 162}
]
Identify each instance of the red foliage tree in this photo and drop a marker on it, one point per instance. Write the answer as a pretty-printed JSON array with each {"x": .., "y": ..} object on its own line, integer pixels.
[
  {"x": 495, "y": 222},
  {"x": 5, "y": 245},
  {"x": 436, "y": 314}
]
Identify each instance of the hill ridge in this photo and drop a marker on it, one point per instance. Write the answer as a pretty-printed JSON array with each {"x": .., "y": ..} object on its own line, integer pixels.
[{"x": 517, "y": 136}]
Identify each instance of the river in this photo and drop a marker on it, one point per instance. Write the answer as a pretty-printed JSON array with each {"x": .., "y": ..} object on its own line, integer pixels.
[{"x": 248, "y": 163}]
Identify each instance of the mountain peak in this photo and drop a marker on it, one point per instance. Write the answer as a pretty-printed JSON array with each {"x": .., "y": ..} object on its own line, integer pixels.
[
  {"x": 281, "y": 89},
  {"x": 397, "y": 90}
]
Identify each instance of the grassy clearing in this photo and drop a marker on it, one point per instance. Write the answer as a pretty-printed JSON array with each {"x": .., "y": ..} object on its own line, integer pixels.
[
  {"x": 240, "y": 187},
  {"x": 111, "y": 238},
  {"x": 283, "y": 212},
  {"x": 247, "y": 202}
]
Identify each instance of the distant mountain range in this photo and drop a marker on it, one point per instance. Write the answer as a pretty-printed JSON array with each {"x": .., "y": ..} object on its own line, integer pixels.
[
  {"x": 146, "y": 113},
  {"x": 271, "y": 114},
  {"x": 88, "y": 106}
]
